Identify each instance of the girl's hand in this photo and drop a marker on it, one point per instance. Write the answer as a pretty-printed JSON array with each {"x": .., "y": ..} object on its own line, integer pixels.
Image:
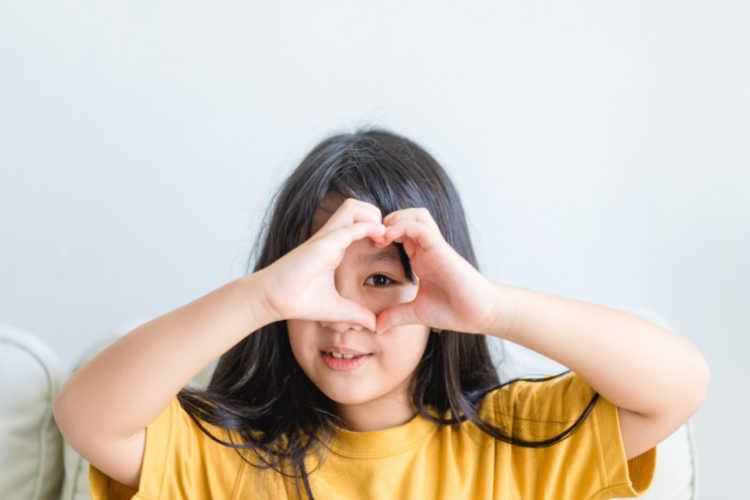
[
  {"x": 301, "y": 284},
  {"x": 452, "y": 295}
]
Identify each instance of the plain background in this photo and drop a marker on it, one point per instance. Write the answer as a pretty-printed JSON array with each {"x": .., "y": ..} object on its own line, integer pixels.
[{"x": 600, "y": 149}]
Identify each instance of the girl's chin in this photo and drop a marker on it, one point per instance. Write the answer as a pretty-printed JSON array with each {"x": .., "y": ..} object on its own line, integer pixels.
[{"x": 346, "y": 395}]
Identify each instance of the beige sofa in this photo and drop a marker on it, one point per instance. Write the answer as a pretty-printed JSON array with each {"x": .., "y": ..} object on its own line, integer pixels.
[{"x": 37, "y": 464}]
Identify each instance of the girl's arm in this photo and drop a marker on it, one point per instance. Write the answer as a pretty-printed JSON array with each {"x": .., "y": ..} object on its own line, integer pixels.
[
  {"x": 126, "y": 386},
  {"x": 105, "y": 407},
  {"x": 656, "y": 378}
]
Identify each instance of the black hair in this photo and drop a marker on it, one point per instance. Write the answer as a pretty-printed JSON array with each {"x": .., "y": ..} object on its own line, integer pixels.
[{"x": 259, "y": 390}]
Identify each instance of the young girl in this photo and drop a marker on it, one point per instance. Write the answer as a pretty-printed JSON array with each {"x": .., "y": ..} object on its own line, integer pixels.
[{"x": 367, "y": 256}]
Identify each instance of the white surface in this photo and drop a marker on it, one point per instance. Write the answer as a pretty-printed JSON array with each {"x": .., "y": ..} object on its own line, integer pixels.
[{"x": 599, "y": 147}]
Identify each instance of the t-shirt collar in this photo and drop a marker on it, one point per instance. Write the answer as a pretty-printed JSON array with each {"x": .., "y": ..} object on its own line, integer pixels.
[{"x": 383, "y": 442}]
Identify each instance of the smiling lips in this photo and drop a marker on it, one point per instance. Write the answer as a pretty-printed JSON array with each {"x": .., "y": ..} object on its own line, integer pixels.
[
  {"x": 344, "y": 350},
  {"x": 340, "y": 364}
]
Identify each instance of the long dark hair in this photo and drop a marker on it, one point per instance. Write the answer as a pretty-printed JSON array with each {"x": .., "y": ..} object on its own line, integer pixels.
[{"x": 257, "y": 387}]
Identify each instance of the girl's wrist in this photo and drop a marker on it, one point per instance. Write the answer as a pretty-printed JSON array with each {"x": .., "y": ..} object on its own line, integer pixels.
[
  {"x": 502, "y": 311},
  {"x": 262, "y": 310}
]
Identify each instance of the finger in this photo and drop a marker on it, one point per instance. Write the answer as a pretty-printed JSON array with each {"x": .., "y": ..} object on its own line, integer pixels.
[
  {"x": 411, "y": 229},
  {"x": 418, "y": 213},
  {"x": 352, "y": 312},
  {"x": 344, "y": 236},
  {"x": 396, "y": 216},
  {"x": 350, "y": 211},
  {"x": 400, "y": 314}
]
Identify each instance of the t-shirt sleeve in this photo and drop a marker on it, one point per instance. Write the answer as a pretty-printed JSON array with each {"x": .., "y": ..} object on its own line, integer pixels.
[
  {"x": 180, "y": 461},
  {"x": 159, "y": 436},
  {"x": 590, "y": 462}
]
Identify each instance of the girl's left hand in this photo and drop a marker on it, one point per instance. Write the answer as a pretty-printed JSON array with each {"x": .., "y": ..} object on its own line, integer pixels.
[{"x": 452, "y": 295}]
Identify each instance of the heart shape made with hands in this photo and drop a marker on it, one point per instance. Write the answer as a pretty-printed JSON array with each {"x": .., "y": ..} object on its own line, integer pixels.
[
  {"x": 401, "y": 313},
  {"x": 451, "y": 294},
  {"x": 428, "y": 252},
  {"x": 394, "y": 229}
]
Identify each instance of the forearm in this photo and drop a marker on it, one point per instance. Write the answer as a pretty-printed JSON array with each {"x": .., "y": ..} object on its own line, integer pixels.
[
  {"x": 127, "y": 385},
  {"x": 635, "y": 364}
]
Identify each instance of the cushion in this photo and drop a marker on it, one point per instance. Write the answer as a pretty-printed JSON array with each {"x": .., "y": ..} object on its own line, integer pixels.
[{"x": 30, "y": 443}]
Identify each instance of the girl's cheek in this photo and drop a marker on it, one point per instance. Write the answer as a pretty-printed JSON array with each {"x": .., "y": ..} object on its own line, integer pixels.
[
  {"x": 407, "y": 293},
  {"x": 390, "y": 299}
]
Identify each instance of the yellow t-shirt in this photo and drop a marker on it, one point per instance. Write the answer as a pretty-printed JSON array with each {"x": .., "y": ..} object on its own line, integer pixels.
[{"x": 415, "y": 460}]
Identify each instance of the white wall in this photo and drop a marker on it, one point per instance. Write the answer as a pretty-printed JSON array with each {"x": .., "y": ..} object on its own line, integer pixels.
[{"x": 600, "y": 149}]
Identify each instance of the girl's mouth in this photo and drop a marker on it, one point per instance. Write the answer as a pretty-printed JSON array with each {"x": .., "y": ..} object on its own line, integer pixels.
[{"x": 344, "y": 364}]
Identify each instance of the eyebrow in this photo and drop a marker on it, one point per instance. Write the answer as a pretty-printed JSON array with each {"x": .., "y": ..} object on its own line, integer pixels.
[{"x": 384, "y": 254}]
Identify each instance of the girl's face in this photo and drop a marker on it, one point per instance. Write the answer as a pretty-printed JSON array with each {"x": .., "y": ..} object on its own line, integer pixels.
[{"x": 374, "y": 395}]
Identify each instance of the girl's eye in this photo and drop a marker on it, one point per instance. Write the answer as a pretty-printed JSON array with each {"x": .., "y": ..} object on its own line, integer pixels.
[{"x": 379, "y": 283}]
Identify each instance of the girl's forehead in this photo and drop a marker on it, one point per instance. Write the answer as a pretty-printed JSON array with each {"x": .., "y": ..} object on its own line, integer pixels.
[
  {"x": 319, "y": 218},
  {"x": 325, "y": 209},
  {"x": 330, "y": 202}
]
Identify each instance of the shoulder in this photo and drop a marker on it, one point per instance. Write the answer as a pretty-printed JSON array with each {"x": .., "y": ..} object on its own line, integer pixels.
[
  {"x": 581, "y": 431},
  {"x": 552, "y": 399},
  {"x": 178, "y": 456}
]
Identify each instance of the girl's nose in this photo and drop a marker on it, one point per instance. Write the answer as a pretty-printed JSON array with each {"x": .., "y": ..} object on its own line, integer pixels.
[{"x": 340, "y": 326}]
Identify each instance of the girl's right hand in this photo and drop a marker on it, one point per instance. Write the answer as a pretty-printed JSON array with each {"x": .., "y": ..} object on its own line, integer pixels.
[{"x": 300, "y": 284}]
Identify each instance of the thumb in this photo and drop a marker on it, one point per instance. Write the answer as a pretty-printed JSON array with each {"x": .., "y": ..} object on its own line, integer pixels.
[
  {"x": 400, "y": 314},
  {"x": 352, "y": 312}
]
